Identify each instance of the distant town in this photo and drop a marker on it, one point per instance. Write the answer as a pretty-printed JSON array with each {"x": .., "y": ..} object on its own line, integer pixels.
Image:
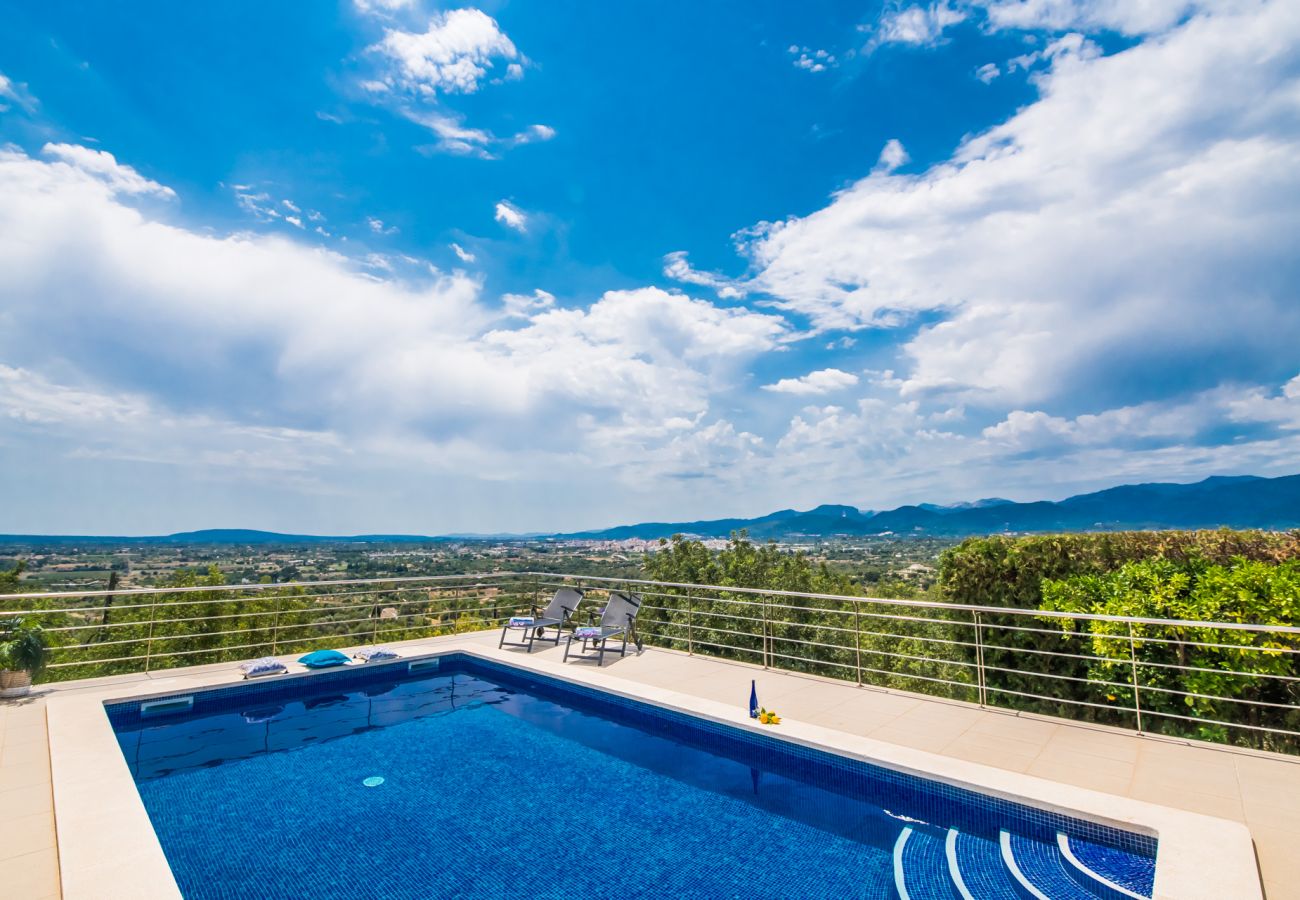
[{"x": 898, "y": 566}]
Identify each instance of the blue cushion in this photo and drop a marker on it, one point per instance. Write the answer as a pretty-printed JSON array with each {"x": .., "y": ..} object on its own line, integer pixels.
[{"x": 320, "y": 659}]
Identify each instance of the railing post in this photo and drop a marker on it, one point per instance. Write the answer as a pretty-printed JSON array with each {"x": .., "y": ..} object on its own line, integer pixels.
[
  {"x": 1133, "y": 672},
  {"x": 690, "y": 625},
  {"x": 148, "y": 647},
  {"x": 375, "y": 612},
  {"x": 765, "y": 633},
  {"x": 857, "y": 640},
  {"x": 979, "y": 660},
  {"x": 275, "y": 626}
]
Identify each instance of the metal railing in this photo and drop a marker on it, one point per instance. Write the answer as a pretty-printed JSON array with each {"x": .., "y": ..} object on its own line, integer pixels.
[{"x": 1233, "y": 682}]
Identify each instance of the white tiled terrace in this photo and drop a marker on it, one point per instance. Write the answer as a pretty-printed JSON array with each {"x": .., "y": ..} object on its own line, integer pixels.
[{"x": 1257, "y": 789}]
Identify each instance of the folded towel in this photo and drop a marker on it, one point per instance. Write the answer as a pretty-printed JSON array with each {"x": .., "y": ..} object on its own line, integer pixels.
[
  {"x": 586, "y": 632},
  {"x": 374, "y": 654},
  {"x": 521, "y": 622}
]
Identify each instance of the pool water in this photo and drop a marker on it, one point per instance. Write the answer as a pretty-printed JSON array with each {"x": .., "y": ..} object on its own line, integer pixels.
[{"x": 481, "y": 781}]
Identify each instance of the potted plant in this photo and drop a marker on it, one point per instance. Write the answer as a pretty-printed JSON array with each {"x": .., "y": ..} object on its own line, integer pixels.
[{"x": 23, "y": 652}]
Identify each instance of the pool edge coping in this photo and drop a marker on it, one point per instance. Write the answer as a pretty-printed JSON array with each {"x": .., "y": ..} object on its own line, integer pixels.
[{"x": 107, "y": 843}]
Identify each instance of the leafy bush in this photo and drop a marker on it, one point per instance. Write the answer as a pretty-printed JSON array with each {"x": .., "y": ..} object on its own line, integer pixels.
[
  {"x": 1009, "y": 571},
  {"x": 1187, "y": 673}
]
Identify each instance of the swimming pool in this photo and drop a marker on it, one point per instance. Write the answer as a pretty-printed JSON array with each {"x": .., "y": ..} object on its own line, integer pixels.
[{"x": 475, "y": 779}]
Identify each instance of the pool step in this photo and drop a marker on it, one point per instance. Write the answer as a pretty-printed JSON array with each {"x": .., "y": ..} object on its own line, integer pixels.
[
  {"x": 1106, "y": 872},
  {"x": 921, "y": 865},
  {"x": 981, "y": 873},
  {"x": 931, "y": 864},
  {"x": 1041, "y": 870}
]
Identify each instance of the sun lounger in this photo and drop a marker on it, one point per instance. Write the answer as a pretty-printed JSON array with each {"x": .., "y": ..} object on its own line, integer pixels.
[
  {"x": 557, "y": 612},
  {"x": 617, "y": 621}
]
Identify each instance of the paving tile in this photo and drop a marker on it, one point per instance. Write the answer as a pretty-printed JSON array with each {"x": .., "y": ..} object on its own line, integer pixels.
[
  {"x": 1269, "y": 791},
  {"x": 1180, "y": 796},
  {"x": 1204, "y": 774},
  {"x": 31, "y": 875},
  {"x": 1119, "y": 747},
  {"x": 1283, "y": 816},
  {"x": 947, "y": 714},
  {"x": 1018, "y": 753},
  {"x": 24, "y": 775},
  {"x": 879, "y": 702},
  {"x": 13, "y": 735},
  {"x": 989, "y": 756},
  {"x": 1269, "y": 774},
  {"x": 27, "y": 801},
  {"x": 20, "y": 754},
  {"x": 1279, "y": 864},
  {"x": 1016, "y": 727},
  {"x": 21, "y": 835},
  {"x": 1086, "y": 772},
  {"x": 28, "y": 713},
  {"x": 807, "y": 702},
  {"x": 912, "y": 736}
]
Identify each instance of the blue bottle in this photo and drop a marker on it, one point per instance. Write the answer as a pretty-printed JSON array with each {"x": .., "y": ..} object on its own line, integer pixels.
[{"x": 753, "y": 700}]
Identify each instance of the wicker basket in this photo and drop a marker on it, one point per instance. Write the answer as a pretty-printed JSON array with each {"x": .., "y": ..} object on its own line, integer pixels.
[{"x": 14, "y": 683}]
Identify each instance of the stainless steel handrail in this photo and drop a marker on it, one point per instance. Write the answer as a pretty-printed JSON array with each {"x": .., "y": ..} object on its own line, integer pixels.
[{"x": 873, "y": 630}]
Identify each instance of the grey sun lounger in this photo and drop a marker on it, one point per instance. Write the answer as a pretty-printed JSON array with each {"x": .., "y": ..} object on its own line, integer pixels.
[
  {"x": 617, "y": 621},
  {"x": 557, "y": 612}
]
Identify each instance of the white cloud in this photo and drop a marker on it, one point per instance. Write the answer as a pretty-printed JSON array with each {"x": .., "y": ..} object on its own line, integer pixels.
[
  {"x": 1281, "y": 407},
  {"x": 924, "y": 25},
  {"x": 100, "y": 164},
  {"x": 533, "y": 134},
  {"x": 1028, "y": 455},
  {"x": 383, "y": 7},
  {"x": 823, "y": 381},
  {"x": 265, "y": 208},
  {"x": 1021, "y": 428},
  {"x": 1068, "y": 46},
  {"x": 988, "y": 72},
  {"x": 453, "y": 55},
  {"x": 1136, "y": 216},
  {"x": 511, "y": 216},
  {"x": 378, "y": 227},
  {"x": 261, "y": 332},
  {"x": 1131, "y": 17},
  {"x": 678, "y": 268},
  {"x": 892, "y": 155},
  {"x": 91, "y": 423},
  {"x": 459, "y": 140},
  {"x": 811, "y": 60},
  {"x": 920, "y": 25},
  {"x": 524, "y": 306},
  {"x": 461, "y": 253},
  {"x": 16, "y": 93}
]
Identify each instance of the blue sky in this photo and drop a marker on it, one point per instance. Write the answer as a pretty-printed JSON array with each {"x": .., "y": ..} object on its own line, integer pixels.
[{"x": 393, "y": 265}]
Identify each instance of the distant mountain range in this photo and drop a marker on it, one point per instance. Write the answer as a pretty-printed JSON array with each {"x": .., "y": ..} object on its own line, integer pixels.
[{"x": 1239, "y": 502}]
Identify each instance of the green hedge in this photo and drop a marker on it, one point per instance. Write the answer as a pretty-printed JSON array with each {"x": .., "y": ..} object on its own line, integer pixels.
[
  {"x": 1030, "y": 661},
  {"x": 1009, "y": 571}
]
